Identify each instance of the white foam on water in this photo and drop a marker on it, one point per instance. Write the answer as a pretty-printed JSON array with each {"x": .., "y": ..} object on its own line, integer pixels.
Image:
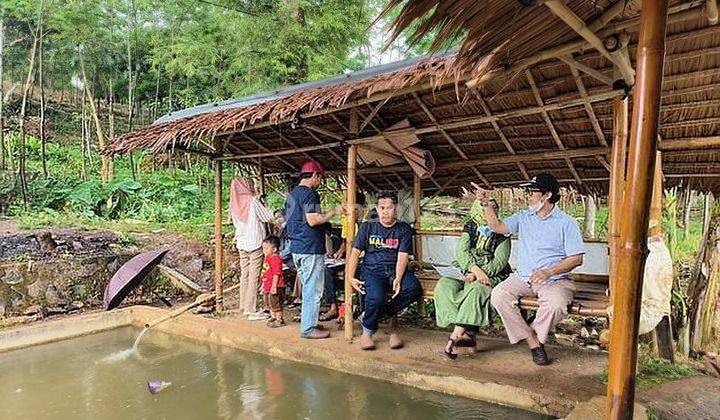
[
  {"x": 127, "y": 353},
  {"x": 118, "y": 356}
]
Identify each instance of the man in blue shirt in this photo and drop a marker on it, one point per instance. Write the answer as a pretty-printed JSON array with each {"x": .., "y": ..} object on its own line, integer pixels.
[
  {"x": 387, "y": 244},
  {"x": 305, "y": 224},
  {"x": 550, "y": 247}
]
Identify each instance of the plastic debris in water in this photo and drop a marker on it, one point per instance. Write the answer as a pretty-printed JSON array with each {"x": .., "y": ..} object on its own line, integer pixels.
[{"x": 156, "y": 386}]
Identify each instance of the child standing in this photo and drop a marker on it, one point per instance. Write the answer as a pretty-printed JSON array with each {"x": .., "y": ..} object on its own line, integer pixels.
[{"x": 273, "y": 283}]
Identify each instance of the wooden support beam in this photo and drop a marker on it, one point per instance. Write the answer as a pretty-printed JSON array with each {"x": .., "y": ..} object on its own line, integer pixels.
[
  {"x": 586, "y": 69},
  {"x": 350, "y": 237},
  {"x": 679, "y": 13},
  {"x": 609, "y": 15},
  {"x": 617, "y": 185},
  {"x": 588, "y": 107},
  {"x": 417, "y": 209},
  {"x": 372, "y": 114},
  {"x": 549, "y": 123},
  {"x": 340, "y": 123},
  {"x": 434, "y": 120},
  {"x": 503, "y": 159},
  {"x": 635, "y": 210},
  {"x": 218, "y": 234},
  {"x": 464, "y": 122},
  {"x": 499, "y": 132},
  {"x": 265, "y": 149},
  {"x": 691, "y": 143}
]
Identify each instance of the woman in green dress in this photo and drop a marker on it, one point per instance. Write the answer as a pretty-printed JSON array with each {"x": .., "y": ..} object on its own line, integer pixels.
[{"x": 483, "y": 257}]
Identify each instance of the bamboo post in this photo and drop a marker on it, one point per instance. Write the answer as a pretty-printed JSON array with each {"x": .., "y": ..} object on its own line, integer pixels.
[
  {"x": 711, "y": 11},
  {"x": 417, "y": 194},
  {"x": 617, "y": 183},
  {"x": 218, "y": 230},
  {"x": 350, "y": 237},
  {"x": 636, "y": 205}
]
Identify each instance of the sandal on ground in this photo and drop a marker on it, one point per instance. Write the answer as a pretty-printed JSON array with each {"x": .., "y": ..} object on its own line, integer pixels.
[
  {"x": 450, "y": 355},
  {"x": 325, "y": 317},
  {"x": 275, "y": 323},
  {"x": 467, "y": 340}
]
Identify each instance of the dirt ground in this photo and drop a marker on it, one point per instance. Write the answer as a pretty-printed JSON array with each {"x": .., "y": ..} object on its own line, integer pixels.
[{"x": 695, "y": 398}]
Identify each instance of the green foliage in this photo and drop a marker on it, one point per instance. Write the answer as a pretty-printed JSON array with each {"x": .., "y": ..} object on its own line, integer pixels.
[{"x": 653, "y": 371}]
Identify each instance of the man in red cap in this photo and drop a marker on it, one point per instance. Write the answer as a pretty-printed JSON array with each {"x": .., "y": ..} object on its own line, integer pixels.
[{"x": 306, "y": 226}]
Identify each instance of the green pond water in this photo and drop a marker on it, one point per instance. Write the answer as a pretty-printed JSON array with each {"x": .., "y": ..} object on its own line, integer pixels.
[{"x": 96, "y": 377}]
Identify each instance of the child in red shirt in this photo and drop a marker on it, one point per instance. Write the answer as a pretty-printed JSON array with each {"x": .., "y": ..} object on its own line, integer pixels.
[{"x": 273, "y": 284}]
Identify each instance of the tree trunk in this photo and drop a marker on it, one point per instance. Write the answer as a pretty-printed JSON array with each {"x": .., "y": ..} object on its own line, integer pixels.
[
  {"x": 157, "y": 93},
  {"x": 105, "y": 171},
  {"x": 2, "y": 95},
  {"x": 41, "y": 80},
  {"x": 687, "y": 212},
  {"x": 23, "y": 110},
  {"x": 83, "y": 134},
  {"x": 590, "y": 211},
  {"x": 131, "y": 88},
  {"x": 704, "y": 291},
  {"x": 707, "y": 212},
  {"x": 111, "y": 123}
]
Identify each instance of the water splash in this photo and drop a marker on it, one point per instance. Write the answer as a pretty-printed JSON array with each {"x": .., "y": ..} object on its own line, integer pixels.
[
  {"x": 118, "y": 356},
  {"x": 127, "y": 353}
]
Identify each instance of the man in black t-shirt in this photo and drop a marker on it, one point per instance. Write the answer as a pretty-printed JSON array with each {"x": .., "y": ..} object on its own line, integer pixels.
[{"x": 387, "y": 244}]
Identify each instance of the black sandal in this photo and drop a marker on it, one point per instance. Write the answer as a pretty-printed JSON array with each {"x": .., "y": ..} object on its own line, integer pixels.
[
  {"x": 325, "y": 317},
  {"x": 467, "y": 340},
  {"x": 450, "y": 355}
]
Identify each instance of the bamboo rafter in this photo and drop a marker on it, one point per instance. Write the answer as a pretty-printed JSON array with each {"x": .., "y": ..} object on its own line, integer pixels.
[{"x": 550, "y": 125}]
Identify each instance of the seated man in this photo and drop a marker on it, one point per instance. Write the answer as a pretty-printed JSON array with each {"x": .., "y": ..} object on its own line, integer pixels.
[
  {"x": 550, "y": 246},
  {"x": 387, "y": 244},
  {"x": 482, "y": 256}
]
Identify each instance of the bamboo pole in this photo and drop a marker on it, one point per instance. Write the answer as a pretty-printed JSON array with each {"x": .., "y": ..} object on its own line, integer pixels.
[
  {"x": 218, "y": 230},
  {"x": 617, "y": 183},
  {"x": 350, "y": 237},
  {"x": 572, "y": 20},
  {"x": 417, "y": 194},
  {"x": 636, "y": 205},
  {"x": 711, "y": 11}
]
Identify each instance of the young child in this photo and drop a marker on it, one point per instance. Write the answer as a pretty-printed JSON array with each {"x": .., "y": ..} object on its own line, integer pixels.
[{"x": 273, "y": 284}]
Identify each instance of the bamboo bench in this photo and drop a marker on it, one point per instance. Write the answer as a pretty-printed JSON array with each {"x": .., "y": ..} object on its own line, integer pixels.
[{"x": 591, "y": 297}]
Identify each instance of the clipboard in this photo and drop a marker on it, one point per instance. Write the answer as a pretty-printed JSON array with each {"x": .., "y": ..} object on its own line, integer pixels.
[{"x": 449, "y": 271}]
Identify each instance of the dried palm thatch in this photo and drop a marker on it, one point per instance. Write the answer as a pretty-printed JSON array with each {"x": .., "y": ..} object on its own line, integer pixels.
[
  {"x": 510, "y": 28},
  {"x": 432, "y": 70}
]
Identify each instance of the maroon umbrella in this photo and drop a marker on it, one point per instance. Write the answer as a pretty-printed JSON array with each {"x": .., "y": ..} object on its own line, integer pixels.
[{"x": 130, "y": 275}]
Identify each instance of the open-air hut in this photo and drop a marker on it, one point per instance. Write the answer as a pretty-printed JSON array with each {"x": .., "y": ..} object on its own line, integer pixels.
[{"x": 534, "y": 88}]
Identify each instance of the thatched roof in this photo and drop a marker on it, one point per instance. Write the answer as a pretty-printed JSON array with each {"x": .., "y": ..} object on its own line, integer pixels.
[{"x": 517, "y": 122}]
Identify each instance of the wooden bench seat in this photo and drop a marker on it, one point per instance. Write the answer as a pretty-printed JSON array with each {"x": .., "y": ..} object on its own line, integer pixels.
[{"x": 591, "y": 298}]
